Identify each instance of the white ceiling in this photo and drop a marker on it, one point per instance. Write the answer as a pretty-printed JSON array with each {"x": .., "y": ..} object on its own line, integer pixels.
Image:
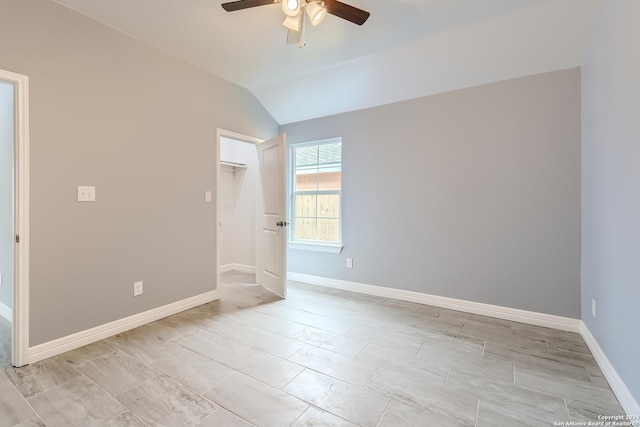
[{"x": 407, "y": 48}]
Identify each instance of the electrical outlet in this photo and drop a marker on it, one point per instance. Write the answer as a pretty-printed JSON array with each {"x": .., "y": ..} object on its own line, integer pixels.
[
  {"x": 349, "y": 262},
  {"x": 593, "y": 307},
  {"x": 86, "y": 193},
  {"x": 137, "y": 289}
]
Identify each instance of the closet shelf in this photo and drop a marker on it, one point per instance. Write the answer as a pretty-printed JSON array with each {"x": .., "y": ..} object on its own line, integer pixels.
[{"x": 233, "y": 165}]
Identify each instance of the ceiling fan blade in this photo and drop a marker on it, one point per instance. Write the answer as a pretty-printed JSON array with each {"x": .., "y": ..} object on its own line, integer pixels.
[
  {"x": 245, "y": 4},
  {"x": 345, "y": 11}
]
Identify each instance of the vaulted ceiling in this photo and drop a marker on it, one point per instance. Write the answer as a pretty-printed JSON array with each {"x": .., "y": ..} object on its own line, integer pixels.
[{"x": 407, "y": 48}]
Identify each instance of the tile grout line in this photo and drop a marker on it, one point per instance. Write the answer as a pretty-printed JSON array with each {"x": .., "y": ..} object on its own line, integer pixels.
[
  {"x": 386, "y": 408},
  {"x": 304, "y": 368},
  {"x": 15, "y": 387},
  {"x": 447, "y": 378},
  {"x": 115, "y": 396},
  {"x": 360, "y": 352},
  {"x": 567, "y": 408},
  {"x": 310, "y": 404},
  {"x": 536, "y": 390},
  {"x": 202, "y": 395},
  {"x": 118, "y": 400},
  {"x": 61, "y": 384},
  {"x": 159, "y": 373},
  {"x": 301, "y": 415},
  {"x": 370, "y": 377},
  {"x": 74, "y": 364},
  {"x": 364, "y": 387},
  {"x": 477, "y": 413},
  {"x": 82, "y": 374},
  {"x": 226, "y": 409}
]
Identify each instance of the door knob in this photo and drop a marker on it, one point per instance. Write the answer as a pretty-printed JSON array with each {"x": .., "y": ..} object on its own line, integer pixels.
[{"x": 282, "y": 223}]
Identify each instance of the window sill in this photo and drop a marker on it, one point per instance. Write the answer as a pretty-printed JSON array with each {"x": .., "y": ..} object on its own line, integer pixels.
[{"x": 318, "y": 247}]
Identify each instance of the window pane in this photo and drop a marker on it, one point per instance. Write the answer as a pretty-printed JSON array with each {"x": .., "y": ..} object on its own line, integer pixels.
[
  {"x": 328, "y": 206},
  {"x": 306, "y": 182},
  {"x": 329, "y": 230},
  {"x": 330, "y": 154},
  {"x": 306, "y": 228},
  {"x": 306, "y": 156},
  {"x": 305, "y": 206},
  {"x": 329, "y": 179},
  {"x": 306, "y": 159},
  {"x": 317, "y": 169}
]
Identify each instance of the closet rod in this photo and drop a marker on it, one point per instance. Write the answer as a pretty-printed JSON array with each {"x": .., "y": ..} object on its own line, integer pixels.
[{"x": 233, "y": 164}]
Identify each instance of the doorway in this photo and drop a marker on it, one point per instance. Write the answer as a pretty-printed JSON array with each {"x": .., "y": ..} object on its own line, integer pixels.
[
  {"x": 238, "y": 198},
  {"x": 247, "y": 169},
  {"x": 14, "y": 219},
  {"x": 6, "y": 219}
]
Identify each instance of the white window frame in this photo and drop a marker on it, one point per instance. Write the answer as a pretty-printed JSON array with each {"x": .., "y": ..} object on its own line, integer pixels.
[{"x": 318, "y": 246}]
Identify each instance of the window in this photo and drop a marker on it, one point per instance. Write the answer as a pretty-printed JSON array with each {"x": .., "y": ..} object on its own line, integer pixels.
[{"x": 316, "y": 193}]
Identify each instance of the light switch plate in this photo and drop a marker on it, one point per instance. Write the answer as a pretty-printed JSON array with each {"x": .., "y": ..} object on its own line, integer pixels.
[
  {"x": 86, "y": 193},
  {"x": 137, "y": 289},
  {"x": 207, "y": 196}
]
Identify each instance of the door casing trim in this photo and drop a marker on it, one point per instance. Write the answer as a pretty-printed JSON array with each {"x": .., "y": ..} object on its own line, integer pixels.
[{"x": 20, "y": 325}]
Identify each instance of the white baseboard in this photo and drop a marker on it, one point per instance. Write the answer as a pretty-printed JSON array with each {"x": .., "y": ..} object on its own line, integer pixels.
[
  {"x": 79, "y": 339},
  {"x": 6, "y": 312},
  {"x": 243, "y": 268},
  {"x": 530, "y": 317},
  {"x": 620, "y": 389}
]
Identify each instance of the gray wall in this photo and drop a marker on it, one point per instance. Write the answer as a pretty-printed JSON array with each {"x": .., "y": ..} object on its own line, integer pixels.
[
  {"x": 472, "y": 194},
  {"x": 6, "y": 193},
  {"x": 611, "y": 186},
  {"x": 140, "y": 125}
]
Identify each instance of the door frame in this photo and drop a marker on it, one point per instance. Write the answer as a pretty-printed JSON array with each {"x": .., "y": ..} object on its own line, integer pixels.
[
  {"x": 238, "y": 137},
  {"x": 20, "y": 309}
]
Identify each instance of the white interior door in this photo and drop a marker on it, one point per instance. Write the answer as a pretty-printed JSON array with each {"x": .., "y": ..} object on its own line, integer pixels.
[{"x": 271, "y": 254}]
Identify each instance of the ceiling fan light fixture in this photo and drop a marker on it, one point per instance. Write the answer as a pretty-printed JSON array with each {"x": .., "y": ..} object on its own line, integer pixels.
[
  {"x": 316, "y": 11},
  {"x": 294, "y": 23},
  {"x": 291, "y": 7},
  {"x": 295, "y": 17}
]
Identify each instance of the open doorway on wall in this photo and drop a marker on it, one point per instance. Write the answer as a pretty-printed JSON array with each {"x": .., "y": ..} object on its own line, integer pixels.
[
  {"x": 7, "y": 257},
  {"x": 14, "y": 218},
  {"x": 238, "y": 196},
  {"x": 238, "y": 199},
  {"x": 251, "y": 215}
]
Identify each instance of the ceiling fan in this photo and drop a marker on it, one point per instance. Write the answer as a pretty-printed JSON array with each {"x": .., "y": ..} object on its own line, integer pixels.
[{"x": 295, "y": 13}]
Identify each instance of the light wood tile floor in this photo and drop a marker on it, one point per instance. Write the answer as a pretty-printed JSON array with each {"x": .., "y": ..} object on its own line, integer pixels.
[
  {"x": 5, "y": 342},
  {"x": 322, "y": 357}
]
